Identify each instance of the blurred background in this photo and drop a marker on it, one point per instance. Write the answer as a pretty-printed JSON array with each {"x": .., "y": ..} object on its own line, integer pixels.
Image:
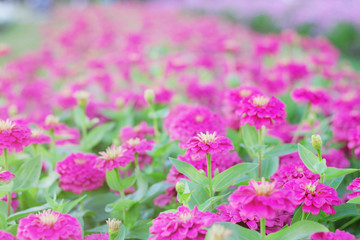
[{"x": 338, "y": 20}]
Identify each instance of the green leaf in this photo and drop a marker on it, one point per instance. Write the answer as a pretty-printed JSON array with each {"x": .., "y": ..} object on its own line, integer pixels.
[
  {"x": 140, "y": 230},
  {"x": 122, "y": 233},
  {"x": 298, "y": 230},
  {"x": 249, "y": 135},
  {"x": 343, "y": 210},
  {"x": 26, "y": 212},
  {"x": 211, "y": 201},
  {"x": 97, "y": 134},
  {"x": 355, "y": 200},
  {"x": 321, "y": 167},
  {"x": 280, "y": 150},
  {"x": 5, "y": 188},
  {"x": 269, "y": 166},
  {"x": 70, "y": 205},
  {"x": 159, "y": 113},
  {"x": 308, "y": 158},
  {"x": 199, "y": 195},
  {"x": 190, "y": 171},
  {"x": 337, "y": 172},
  {"x": 237, "y": 232},
  {"x": 334, "y": 182},
  {"x": 132, "y": 214},
  {"x": 229, "y": 176},
  {"x": 142, "y": 186},
  {"x": 113, "y": 179},
  {"x": 27, "y": 175}
]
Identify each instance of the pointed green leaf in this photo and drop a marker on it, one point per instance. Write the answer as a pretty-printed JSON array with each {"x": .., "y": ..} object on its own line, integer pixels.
[{"x": 190, "y": 171}]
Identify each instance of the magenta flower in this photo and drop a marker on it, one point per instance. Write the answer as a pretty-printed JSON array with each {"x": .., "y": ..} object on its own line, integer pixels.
[
  {"x": 354, "y": 140},
  {"x": 139, "y": 131},
  {"x": 6, "y": 236},
  {"x": 38, "y": 137},
  {"x": 6, "y": 176},
  {"x": 14, "y": 201},
  {"x": 354, "y": 186},
  {"x": 337, "y": 235},
  {"x": 13, "y": 136},
  {"x": 262, "y": 199},
  {"x": 314, "y": 196},
  {"x": 49, "y": 225},
  {"x": 114, "y": 157},
  {"x": 291, "y": 171},
  {"x": 184, "y": 224},
  {"x": 260, "y": 110},
  {"x": 336, "y": 158},
  {"x": 209, "y": 143},
  {"x": 97, "y": 236},
  {"x": 306, "y": 95},
  {"x": 138, "y": 145},
  {"x": 78, "y": 173}
]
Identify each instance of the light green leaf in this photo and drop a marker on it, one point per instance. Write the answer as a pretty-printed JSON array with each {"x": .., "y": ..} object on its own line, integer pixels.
[
  {"x": 250, "y": 136},
  {"x": 70, "y": 205},
  {"x": 97, "y": 134},
  {"x": 113, "y": 179},
  {"x": 237, "y": 232},
  {"x": 26, "y": 212},
  {"x": 280, "y": 150},
  {"x": 27, "y": 175},
  {"x": 211, "y": 201},
  {"x": 338, "y": 172},
  {"x": 229, "y": 176},
  {"x": 190, "y": 171},
  {"x": 355, "y": 200},
  {"x": 298, "y": 230},
  {"x": 308, "y": 158},
  {"x": 269, "y": 166}
]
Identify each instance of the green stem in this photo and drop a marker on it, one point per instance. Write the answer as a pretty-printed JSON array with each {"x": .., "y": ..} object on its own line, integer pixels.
[
  {"x": 208, "y": 162},
  {"x": 304, "y": 117},
  {"x": 349, "y": 223},
  {"x": 136, "y": 160},
  {"x": 155, "y": 123},
  {"x": 83, "y": 127},
  {"x": 262, "y": 228},
  {"x": 260, "y": 139},
  {"x": 9, "y": 193},
  {"x": 320, "y": 159},
  {"x": 302, "y": 215}
]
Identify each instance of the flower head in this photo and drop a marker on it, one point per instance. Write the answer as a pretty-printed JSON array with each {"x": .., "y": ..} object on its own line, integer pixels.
[
  {"x": 337, "y": 235},
  {"x": 38, "y": 137},
  {"x": 114, "y": 157},
  {"x": 138, "y": 145},
  {"x": 314, "y": 196},
  {"x": 139, "y": 131},
  {"x": 6, "y": 176},
  {"x": 354, "y": 186},
  {"x": 262, "y": 199},
  {"x": 113, "y": 224},
  {"x": 184, "y": 224},
  {"x": 6, "y": 236},
  {"x": 78, "y": 173},
  {"x": 97, "y": 236},
  {"x": 209, "y": 143},
  {"x": 49, "y": 225},
  {"x": 13, "y": 136},
  {"x": 259, "y": 110},
  {"x": 315, "y": 97}
]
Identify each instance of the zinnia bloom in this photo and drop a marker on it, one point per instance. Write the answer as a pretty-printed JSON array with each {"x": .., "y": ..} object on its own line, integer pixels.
[
  {"x": 6, "y": 236},
  {"x": 354, "y": 186},
  {"x": 50, "y": 226},
  {"x": 139, "y": 131},
  {"x": 354, "y": 140},
  {"x": 13, "y": 135},
  {"x": 337, "y": 235},
  {"x": 184, "y": 224},
  {"x": 114, "y": 157},
  {"x": 315, "y": 97},
  {"x": 97, "y": 236},
  {"x": 209, "y": 143},
  {"x": 260, "y": 110},
  {"x": 314, "y": 196},
  {"x": 78, "y": 173},
  {"x": 38, "y": 137},
  {"x": 262, "y": 199},
  {"x": 14, "y": 201},
  {"x": 138, "y": 145},
  {"x": 6, "y": 176}
]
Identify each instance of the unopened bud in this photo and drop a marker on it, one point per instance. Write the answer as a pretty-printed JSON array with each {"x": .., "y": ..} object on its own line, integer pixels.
[
  {"x": 52, "y": 120},
  {"x": 149, "y": 95},
  {"x": 316, "y": 141},
  {"x": 180, "y": 187},
  {"x": 219, "y": 232},
  {"x": 82, "y": 97}
]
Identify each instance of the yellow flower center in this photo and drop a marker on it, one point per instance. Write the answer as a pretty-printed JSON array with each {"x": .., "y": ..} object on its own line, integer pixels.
[
  {"x": 260, "y": 101},
  {"x": 48, "y": 218},
  {"x": 244, "y": 93},
  {"x": 6, "y": 125},
  {"x": 35, "y": 133},
  {"x": 206, "y": 137},
  {"x": 263, "y": 188},
  {"x": 185, "y": 216},
  {"x": 112, "y": 153},
  {"x": 311, "y": 187},
  {"x": 133, "y": 141}
]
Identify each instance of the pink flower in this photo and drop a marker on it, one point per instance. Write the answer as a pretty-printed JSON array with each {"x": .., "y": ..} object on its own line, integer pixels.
[
  {"x": 6, "y": 236},
  {"x": 354, "y": 186},
  {"x": 338, "y": 235},
  {"x": 291, "y": 171},
  {"x": 114, "y": 157},
  {"x": 97, "y": 236},
  {"x": 184, "y": 122},
  {"x": 184, "y": 224},
  {"x": 6, "y": 176},
  {"x": 314, "y": 196},
  {"x": 49, "y": 225},
  {"x": 354, "y": 140},
  {"x": 163, "y": 96},
  {"x": 139, "y": 131},
  {"x": 260, "y": 110},
  {"x": 306, "y": 95},
  {"x": 38, "y": 137},
  {"x": 209, "y": 143},
  {"x": 262, "y": 199},
  {"x": 78, "y": 173},
  {"x": 138, "y": 145},
  {"x": 14, "y": 201},
  {"x": 13, "y": 136},
  {"x": 336, "y": 158}
]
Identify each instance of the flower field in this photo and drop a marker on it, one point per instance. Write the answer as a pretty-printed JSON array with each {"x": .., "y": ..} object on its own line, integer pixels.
[{"x": 137, "y": 121}]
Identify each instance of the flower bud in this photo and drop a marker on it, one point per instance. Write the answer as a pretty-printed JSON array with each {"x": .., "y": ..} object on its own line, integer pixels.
[
  {"x": 149, "y": 95},
  {"x": 219, "y": 232},
  {"x": 114, "y": 226},
  {"x": 316, "y": 141},
  {"x": 180, "y": 187},
  {"x": 82, "y": 97}
]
